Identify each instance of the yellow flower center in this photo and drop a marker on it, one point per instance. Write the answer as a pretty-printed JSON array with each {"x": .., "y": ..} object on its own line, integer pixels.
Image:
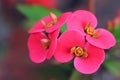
[
  {"x": 79, "y": 52},
  {"x": 53, "y": 22},
  {"x": 45, "y": 43},
  {"x": 91, "y": 31}
]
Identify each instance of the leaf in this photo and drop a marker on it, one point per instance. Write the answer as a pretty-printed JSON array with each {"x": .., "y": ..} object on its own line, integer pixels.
[
  {"x": 75, "y": 75},
  {"x": 35, "y": 12},
  {"x": 28, "y": 24},
  {"x": 116, "y": 33},
  {"x": 63, "y": 28},
  {"x": 113, "y": 66}
]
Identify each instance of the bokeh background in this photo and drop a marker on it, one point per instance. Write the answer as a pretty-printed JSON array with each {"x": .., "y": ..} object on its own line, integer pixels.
[{"x": 14, "y": 56}]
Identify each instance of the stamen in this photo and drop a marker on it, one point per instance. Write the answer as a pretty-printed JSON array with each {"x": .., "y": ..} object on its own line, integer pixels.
[
  {"x": 85, "y": 55},
  {"x": 43, "y": 23},
  {"x": 79, "y": 52},
  {"x": 96, "y": 34},
  {"x": 54, "y": 17},
  {"x": 90, "y": 31},
  {"x": 72, "y": 50},
  {"x": 51, "y": 23},
  {"x": 45, "y": 43},
  {"x": 88, "y": 25}
]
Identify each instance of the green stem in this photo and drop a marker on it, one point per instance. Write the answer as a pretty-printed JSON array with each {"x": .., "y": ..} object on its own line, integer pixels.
[
  {"x": 78, "y": 76},
  {"x": 75, "y": 75}
]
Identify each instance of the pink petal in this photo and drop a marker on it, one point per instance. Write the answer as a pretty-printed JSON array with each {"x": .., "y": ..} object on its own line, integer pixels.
[
  {"x": 38, "y": 27},
  {"x": 53, "y": 36},
  {"x": 66, "y": 41},
  {"x": 80, "y": 19},
  {"x": 85, "y": 17},
  {"x": 61, "y": 21},
  {"x": 36, "y": 50},
  {"x": 74, "y": 24},
  {"x": 104, "y": 41},
  {"x": 90, "y": 64}
]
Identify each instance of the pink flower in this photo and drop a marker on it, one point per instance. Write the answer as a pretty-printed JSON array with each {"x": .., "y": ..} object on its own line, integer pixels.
[
  {"x": 42, "y": 46},
  {"x": 72, "y": 44},
  {"x": 80, "y": 19},
  {"x": 86, "y": 22},
  {"x": 45, "y": 3},
  {"x": 50, "y": 23}
]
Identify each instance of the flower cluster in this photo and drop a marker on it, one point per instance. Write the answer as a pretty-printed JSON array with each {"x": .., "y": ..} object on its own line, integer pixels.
[{"x": 81, "y": 41}]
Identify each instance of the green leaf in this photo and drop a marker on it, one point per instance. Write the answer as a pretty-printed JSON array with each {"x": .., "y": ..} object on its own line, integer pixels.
[
  {"x": 63, "y": 28},
  {"x": 35, "y": 12},
  {"x": 113, "y": 66},
  {"x": 28, "y": 24},
  {"x": 116, "y": 33},
  {"x": 75, "y": 75}
]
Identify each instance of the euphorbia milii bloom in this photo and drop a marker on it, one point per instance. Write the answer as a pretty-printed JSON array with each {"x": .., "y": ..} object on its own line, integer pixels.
[
  {"x": 81, "y": 18},
  {"x": 50, "y": 23},
  {"x": 42, "y": 46},
  {"x": 45, "y": 3},
  {"x": 71, "y": 44},
  {"x": 86, "y": 22}
]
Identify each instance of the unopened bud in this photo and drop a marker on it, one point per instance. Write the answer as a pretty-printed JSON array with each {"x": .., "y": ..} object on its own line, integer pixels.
[
  {"x": 53, "y": 16},
  {"x": 43, "y": 23}
]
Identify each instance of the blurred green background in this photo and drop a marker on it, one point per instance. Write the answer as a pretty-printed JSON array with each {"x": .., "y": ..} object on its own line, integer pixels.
[{"x": 17, "y": 16}]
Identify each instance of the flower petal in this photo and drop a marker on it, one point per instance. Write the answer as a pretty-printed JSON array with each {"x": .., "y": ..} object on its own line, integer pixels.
[
  {"x": 73, "y": 23},
  {"x": 66, "y": 41},
  {"x": 39, "y": 27},
  {"x": 53, "y": 36},
  {"x": 90, "y": 64},
  {"x": 61, "y": 20},
  {"x": 36, "y": 50},
  {"x": 105, "y": 40},
  {"x": 85, "y": 17},
  {"x": 80, "y": 19}
]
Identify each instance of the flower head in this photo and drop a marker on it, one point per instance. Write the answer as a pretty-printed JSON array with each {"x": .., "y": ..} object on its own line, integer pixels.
[
  {"x": 50, "y": 23},
  {"x": 42, "y": 46},
  {"x": 86, "y": 22},
  {"x": 72, "y": 44},
  {"x": 81, "y": 19},
  {"x": 102, "y": 39}
]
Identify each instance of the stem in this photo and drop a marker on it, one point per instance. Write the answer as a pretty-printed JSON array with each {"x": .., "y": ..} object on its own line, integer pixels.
[
  {"x": 78, "y": 76},
  {"x": 75, "y": 75},
  {"x": 86, "y": 77}
]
